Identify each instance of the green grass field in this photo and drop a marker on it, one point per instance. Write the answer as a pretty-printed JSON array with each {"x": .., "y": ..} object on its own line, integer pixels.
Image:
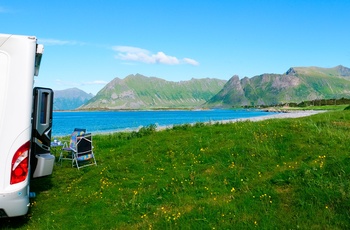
[
  {"x": 272, "y": 174},
  {"x": 323, "y": 107}
]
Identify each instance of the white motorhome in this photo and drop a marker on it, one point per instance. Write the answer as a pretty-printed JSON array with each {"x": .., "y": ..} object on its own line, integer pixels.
[{"x": 25, "y": 123}]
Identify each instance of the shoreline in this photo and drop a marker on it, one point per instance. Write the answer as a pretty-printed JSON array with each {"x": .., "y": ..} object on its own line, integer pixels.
[{"x": 279, "y": 115}]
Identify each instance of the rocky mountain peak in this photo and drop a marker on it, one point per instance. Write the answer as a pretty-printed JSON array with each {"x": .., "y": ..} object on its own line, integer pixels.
[
  {"x": 291, "y": 71},
  {"x": 343, "y": 71}
]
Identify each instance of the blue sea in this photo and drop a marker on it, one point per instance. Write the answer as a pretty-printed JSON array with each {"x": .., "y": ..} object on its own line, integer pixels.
[{"x": 114, "y": 121}]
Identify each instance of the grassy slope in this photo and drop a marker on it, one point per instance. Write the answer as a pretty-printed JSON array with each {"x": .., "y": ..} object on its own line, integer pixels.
[
  {"x": 273, "y": 174},
  {"x": 161, "y": 93},
  {"x": 152, "y": 92}
]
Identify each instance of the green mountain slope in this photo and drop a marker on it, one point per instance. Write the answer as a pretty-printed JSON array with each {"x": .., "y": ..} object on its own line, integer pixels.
[
  {"x": 296, "y": 85},
  {"x": 140, "y": 92}
]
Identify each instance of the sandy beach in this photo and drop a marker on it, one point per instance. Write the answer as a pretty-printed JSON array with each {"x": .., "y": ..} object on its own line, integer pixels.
[{"x": 289, "y": 114}]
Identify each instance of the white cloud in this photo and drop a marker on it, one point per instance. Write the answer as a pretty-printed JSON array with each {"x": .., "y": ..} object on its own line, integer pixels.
[
  {"x": 191, "y": 61},
  {"x": 129, "y": 53},
  {"x": 57, "y": 42},
  {"x": 161, "y": 57}
]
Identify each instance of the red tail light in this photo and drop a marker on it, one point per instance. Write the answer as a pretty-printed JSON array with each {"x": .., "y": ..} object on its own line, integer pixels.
[{"x": 19, "y": 167}]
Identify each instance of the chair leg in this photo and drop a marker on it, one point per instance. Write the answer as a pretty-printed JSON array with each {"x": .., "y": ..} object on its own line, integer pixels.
[
  {"x": 73, "y": 160},
  {"x": 60, "y": 158}
]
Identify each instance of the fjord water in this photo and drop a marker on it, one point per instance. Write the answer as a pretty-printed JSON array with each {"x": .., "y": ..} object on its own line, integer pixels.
[{"x": 113, "y": 121}]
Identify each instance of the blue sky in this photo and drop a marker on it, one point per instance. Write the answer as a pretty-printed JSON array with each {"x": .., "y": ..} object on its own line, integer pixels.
[{"x": 89, "y": 42}]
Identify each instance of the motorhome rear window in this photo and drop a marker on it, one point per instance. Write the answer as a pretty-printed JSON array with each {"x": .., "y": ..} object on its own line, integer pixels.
[{"x": 43, "y": 108}]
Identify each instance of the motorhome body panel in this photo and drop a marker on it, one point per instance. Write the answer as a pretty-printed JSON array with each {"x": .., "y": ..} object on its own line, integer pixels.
[{"x": 17, "y": 67}]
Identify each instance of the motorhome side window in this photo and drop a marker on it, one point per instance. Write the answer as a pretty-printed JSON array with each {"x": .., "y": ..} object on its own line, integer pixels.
[{"x": 43, "y": 108}]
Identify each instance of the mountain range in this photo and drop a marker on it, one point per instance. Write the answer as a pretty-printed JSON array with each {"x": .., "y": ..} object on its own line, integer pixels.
[
  {"x": 140, "y": 92},
  {"x": 70, "y": 99},
  {"x": 297, "y": 84}
]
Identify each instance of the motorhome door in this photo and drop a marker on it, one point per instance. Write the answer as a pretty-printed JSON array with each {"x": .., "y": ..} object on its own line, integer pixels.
[{"x": 41, "y": 128}]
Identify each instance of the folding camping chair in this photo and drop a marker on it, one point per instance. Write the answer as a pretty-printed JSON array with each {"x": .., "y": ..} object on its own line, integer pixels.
[
  {"x": 84, "y": 156},
  {"x": 67, "y": 150}
]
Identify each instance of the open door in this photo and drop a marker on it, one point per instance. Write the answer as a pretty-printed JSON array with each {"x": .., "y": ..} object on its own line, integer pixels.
[{"x": 41, "y": 160}]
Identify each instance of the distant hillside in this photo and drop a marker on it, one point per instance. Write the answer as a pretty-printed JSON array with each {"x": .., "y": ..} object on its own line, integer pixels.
[
  {"x": 70, "y": 99},
  {"x": 296, "y": 85},
  {"x": 141, "y": 92}
]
